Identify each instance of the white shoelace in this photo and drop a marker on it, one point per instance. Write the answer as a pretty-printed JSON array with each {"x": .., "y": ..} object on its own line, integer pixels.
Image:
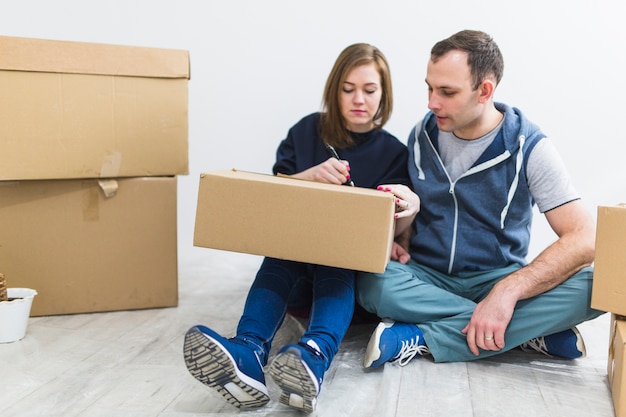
[
  {"x": 409, "y": 350},
  {"x": 538, "y": 344}
]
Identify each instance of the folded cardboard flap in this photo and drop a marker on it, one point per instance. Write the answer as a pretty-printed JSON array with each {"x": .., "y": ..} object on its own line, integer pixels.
[
  {"x": 294, "y": 219},
  {"x": 42, "y": 55}
]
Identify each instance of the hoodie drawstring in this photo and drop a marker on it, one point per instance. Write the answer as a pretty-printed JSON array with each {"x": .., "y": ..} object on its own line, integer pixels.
[
  {"x": 518, "y": 168},
  {"x": 418, "y": 154}
]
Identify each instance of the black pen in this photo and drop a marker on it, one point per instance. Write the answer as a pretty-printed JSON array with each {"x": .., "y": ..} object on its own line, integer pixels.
[{"x": 334, "y": 154}]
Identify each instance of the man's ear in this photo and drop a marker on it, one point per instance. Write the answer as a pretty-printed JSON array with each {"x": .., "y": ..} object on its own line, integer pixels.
[{"x": 486, "y": 89}]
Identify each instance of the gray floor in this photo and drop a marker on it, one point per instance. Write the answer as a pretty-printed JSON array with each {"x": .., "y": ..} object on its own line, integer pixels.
[{"x": 130, "y": 364}]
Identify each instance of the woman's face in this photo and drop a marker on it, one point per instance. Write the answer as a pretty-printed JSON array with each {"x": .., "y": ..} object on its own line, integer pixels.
[{"x": 360, "y": 98}]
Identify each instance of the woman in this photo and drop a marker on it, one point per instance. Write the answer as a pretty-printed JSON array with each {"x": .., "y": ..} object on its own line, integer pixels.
[{"x": 357, "y": 102}]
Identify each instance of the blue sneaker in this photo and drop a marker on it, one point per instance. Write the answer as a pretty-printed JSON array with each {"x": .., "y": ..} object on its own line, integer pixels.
[
  {"x": 568, "y": 344},
  {"x": 392, "y": 342},
  {"x": 230, "y": 366},
  {"x": 298, "y": 370}
]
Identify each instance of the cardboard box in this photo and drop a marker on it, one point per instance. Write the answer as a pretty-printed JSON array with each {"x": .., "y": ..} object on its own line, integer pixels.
[
  {"x": 293, "y": 219},
  {"x": 84, "y": 110},
  {"x": 617, "y": 366},
  {"x": 84, "y": 251},
  {"x": 609, "y": 280}
]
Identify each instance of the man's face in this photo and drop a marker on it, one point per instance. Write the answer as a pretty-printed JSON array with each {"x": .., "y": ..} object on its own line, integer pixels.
[{"x": 451, "y": 96}]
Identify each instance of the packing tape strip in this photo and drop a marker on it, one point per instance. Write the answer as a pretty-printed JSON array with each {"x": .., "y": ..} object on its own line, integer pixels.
[
  {"x": 109, "y": 187},
  {"x": 111, "y": 165},
  {"x": 3, "y": 288},
  {"x": 91, "y": 197}
]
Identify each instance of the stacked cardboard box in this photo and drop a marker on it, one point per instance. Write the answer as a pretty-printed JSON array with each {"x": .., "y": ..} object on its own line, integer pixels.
[
  {"x": 609, "y": 294},
  {"x": 92, "y": 137}
]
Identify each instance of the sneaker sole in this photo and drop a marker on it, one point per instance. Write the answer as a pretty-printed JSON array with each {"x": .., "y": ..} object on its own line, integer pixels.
[
  {"x": 580, "y": 343},
  {"x": 209, "y": 363},
  {"x": 372, "y": 352},
  {"x": 294, "y": 379}
]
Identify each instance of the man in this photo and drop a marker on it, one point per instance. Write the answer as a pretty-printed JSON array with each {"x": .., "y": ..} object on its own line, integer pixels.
[{"x": 478, "y": 167}]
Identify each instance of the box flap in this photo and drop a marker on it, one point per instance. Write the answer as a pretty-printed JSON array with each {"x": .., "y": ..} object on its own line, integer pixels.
[{"x": 38, "y": 55}]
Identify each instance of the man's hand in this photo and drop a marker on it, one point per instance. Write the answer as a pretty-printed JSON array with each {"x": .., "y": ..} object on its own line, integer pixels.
[
  {"x": 399, "y": 253},
  {"x": 489, "y": 321},
  {"x": 573, "y": 250}
]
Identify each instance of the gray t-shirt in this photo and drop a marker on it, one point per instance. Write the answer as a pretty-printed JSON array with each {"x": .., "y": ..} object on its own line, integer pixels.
[
  {"x": 548, "y": 179},
  {"x": 458, "y": 155}
]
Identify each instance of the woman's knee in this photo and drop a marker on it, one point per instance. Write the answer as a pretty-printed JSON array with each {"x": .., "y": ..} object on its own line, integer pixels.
[{"x": 369, "y": 289}]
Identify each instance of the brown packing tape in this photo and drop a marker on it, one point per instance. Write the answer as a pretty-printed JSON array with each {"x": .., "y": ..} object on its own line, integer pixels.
[
  {"x": 109, "y": 187},
  {"x": 615, "y": 318},
  {"x": 617, "y": 365},
  {"x": 91, "y": 201},
  {"x": 3, "y": 288},
  {"x": 91, "y": 196},
  {"x": 611, "y": 363},
  {"x": 111, "y": 165}
]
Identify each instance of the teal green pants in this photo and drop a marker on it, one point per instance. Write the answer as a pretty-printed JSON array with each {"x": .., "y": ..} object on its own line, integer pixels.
[{"x": 442, "y": 305}]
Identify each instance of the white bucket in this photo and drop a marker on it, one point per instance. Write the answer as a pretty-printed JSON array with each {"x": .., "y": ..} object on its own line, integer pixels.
[{"x": 14, "y": 314}]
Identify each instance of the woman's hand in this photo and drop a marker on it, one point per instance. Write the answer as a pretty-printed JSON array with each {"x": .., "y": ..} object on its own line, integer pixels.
[
  {"x": 407, "y": 207},
  {"x": 331, "y": 171},
  {"x": 407, "y": 202}
]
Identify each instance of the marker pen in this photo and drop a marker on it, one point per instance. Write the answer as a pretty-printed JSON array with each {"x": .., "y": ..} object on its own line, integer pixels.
[{"x": 334, "y": 154}]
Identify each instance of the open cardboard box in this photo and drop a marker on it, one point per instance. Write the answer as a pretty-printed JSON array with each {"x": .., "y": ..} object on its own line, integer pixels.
[
  {"x": 85, "y": 110},
  {"x": 286, "y": 218}
]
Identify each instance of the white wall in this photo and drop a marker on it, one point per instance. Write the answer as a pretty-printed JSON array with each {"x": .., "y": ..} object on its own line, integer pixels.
[{"x": 258, "y": 66}]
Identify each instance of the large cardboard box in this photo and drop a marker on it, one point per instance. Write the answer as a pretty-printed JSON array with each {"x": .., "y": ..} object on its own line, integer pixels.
[
  {"x": 609, "y": 281},
  {"x": 293, "y": 219},
  {"x": 84, "y": 110},
  {"x": 617, "y": 365},
  {"x": 91, "y": 247}
]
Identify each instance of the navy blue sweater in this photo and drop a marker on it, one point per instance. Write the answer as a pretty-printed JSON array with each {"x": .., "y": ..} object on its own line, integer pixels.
[{"x": 377, "y": 158}]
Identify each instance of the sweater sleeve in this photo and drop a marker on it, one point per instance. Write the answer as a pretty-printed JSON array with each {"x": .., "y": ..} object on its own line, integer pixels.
[
  {"x": 286, "y": 156},
  {"x": 301, "y": 149}
]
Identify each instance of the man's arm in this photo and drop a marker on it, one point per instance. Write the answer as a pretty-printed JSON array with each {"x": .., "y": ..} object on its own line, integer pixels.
[{"x": 573, "y": 250}]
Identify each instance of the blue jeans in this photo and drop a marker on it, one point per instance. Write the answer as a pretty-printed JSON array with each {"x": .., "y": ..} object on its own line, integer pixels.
[
  {"x": 279, "y": 284},
  {"x": 442, "y": 305}
]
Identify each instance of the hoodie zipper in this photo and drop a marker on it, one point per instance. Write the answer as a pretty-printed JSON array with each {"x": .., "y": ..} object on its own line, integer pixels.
[{"x": 485, "y": 165}]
